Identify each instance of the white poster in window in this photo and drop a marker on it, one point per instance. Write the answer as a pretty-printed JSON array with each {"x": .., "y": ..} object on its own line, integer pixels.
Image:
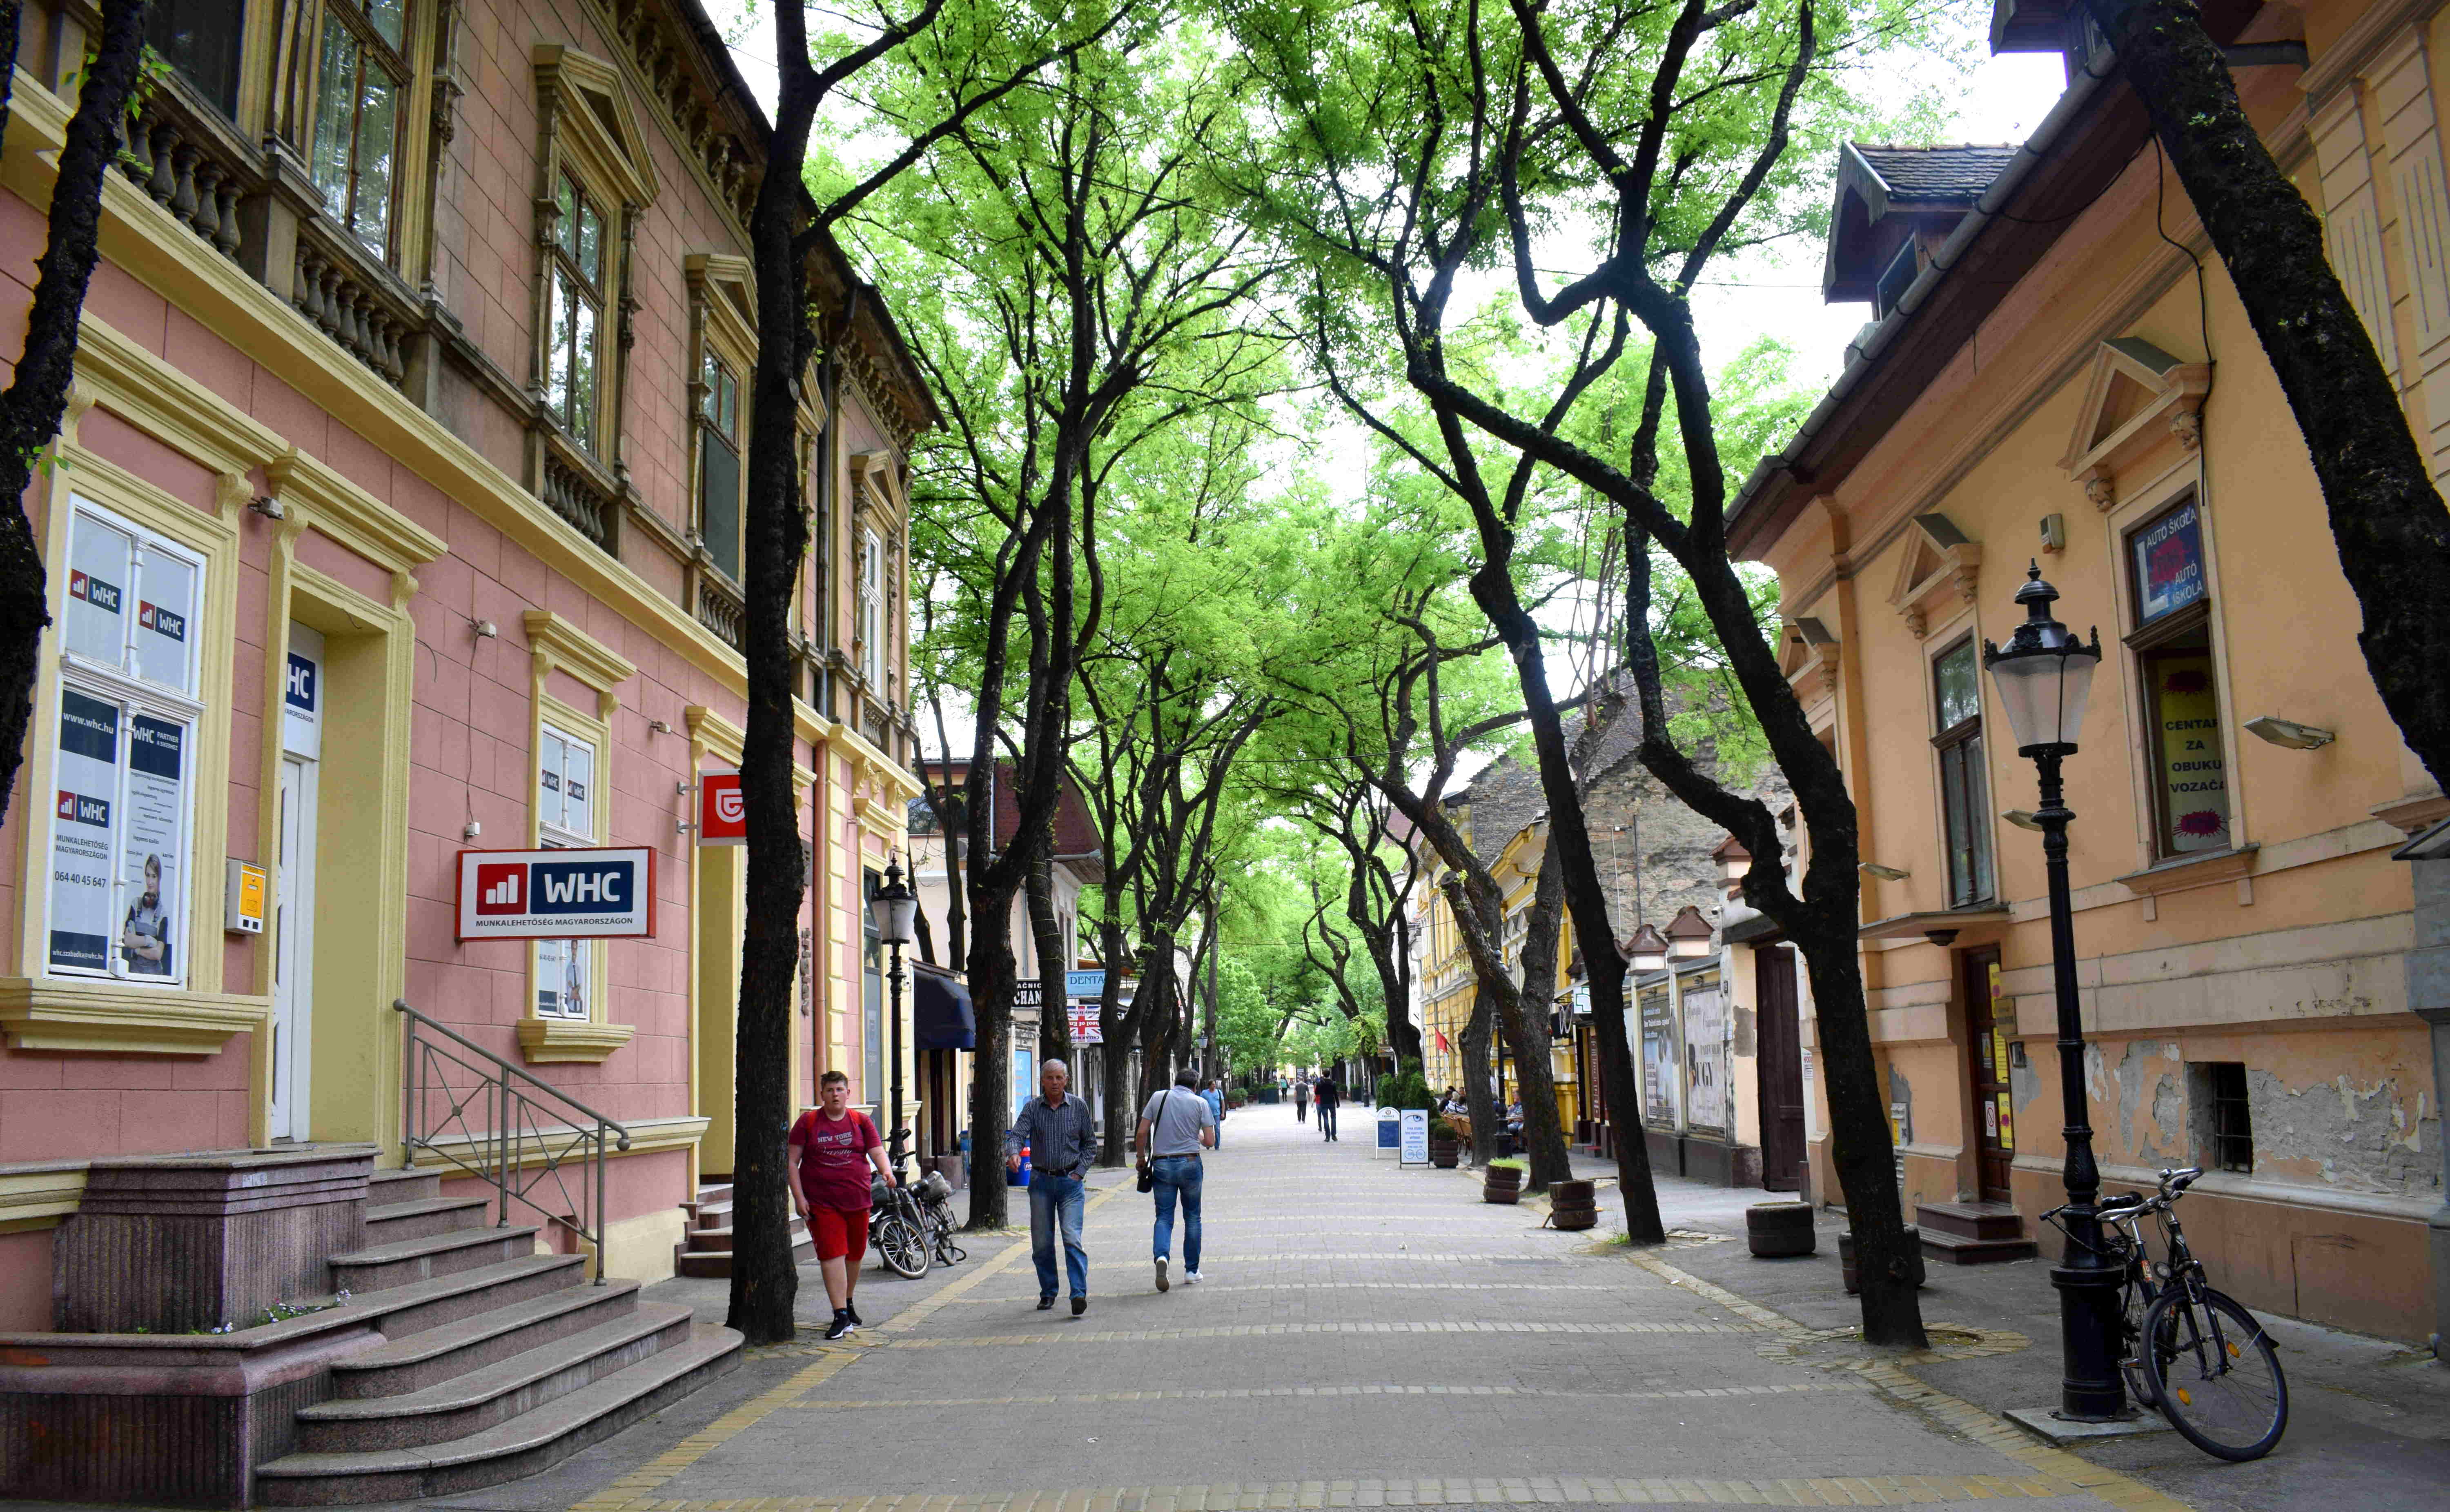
[
  {"x": 165, "y": 609},
  {"x": 95, "y": 622},
  {"x": 1705, "y": 1055},
  {"x": 151, "y": 865},
  {"x": 87, "y": 779}
]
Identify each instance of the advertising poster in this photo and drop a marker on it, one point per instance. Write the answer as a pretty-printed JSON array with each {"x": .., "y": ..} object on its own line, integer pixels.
[
  {"x": 600, "y": 893},
  {"x": 2194, "y": 774},
  {"x": 151, "y": 865},
  {"x": 95, "y": 626},
  {"x": 87, "y": 777},
  {"x": 2168, "y": 564},
  {"x": 1390, "y": 1130},
  {"x": 163, "y": 608},
  {"x": 1417, "y": 1136},
  {"x": 1660, "y": 1081},
  {"x": 1705, "y": 1052}
]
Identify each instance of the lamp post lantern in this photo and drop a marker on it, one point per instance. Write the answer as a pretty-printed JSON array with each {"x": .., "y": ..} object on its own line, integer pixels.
[
  {"x": 895, "y": 910},
  {"x": 2043, "y": 676}
]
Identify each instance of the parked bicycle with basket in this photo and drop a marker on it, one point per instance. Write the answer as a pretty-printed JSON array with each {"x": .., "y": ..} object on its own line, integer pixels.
[{"x": 2194, "y": 1352}]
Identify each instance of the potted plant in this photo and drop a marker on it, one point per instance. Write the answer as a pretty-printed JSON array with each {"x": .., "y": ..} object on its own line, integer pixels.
[
  {"x": 1445, "y": 1145},
  {"x": 1504, "y": 1182}
]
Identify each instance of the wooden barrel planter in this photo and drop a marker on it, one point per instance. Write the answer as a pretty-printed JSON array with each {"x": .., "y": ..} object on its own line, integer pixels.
[
  {"x": 1778, "y": 1229},
  {"x": 1502, "y": 1184},
  {"x": 1444, "y": 1147},
  {"x": 1846, "y": 1258},
  {"x": 1572, "y": 1205}
]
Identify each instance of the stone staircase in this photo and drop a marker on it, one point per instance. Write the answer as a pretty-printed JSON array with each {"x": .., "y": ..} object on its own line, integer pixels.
[
  {"x": 1973, "y": 1234},
  {"x": 498, "y": 1361},
  {"x": 705, "y": 1249}
]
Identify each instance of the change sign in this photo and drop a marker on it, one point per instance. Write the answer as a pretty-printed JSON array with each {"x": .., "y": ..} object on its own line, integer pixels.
[{"x": 604, "y": 894}]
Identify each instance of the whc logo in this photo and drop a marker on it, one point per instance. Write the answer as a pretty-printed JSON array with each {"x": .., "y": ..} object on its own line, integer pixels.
[
  {"x": 78, "y": 809},
  {"x": 502, "y": 888},
  {"x": 553, "y": 887}
]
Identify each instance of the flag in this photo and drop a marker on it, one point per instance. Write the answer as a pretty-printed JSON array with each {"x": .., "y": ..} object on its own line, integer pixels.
[{"x": 1443, "y": 1047}]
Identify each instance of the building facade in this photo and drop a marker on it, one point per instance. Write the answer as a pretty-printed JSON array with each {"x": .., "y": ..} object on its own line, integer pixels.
[
  {"x": 397, "y": 513},
  {"x": 2059, "y": 372}
]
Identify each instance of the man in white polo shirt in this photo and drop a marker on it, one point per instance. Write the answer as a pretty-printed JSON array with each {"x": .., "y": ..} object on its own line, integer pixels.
[{"x": 1175, "y": 1126}]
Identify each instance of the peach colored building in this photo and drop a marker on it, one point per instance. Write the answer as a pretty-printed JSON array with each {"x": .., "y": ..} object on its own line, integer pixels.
[
  {"x": 409, "y": 416},
  {"x": 2059, "y": 369}
]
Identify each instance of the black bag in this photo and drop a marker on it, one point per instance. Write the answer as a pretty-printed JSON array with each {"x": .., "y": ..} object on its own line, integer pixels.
[{"x": 1148, "y": 1175}]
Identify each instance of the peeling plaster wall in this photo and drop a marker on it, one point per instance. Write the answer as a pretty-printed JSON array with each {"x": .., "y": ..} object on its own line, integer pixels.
[{"x": 2361, "y": 1137}]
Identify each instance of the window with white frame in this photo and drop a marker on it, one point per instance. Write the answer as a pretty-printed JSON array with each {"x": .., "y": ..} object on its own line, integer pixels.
[
  {"x": 124, "y": 780},
  {"x": 1964, "y": 801},
  {"x": 576, "y": 278},
  {"x": 566, "y": 809},
  {"x": 871, "y": 607},
  {"x": 2173, "y": 643}
]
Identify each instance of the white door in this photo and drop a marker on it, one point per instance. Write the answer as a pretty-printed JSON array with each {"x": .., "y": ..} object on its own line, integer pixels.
[{"x": 293, "y": 889}]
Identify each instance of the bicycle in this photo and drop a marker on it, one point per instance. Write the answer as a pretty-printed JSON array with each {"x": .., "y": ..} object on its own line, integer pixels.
[
  {"x": 899, "y": 1228},
  {"x": 2208, "y": 1366}
]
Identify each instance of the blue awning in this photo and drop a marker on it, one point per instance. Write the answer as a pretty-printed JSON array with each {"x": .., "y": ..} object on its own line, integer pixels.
[{"x": 942, "y": 1016}]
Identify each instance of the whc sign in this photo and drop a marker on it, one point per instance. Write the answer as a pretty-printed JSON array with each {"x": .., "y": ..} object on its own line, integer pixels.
[{"x": 558, "y": 893}]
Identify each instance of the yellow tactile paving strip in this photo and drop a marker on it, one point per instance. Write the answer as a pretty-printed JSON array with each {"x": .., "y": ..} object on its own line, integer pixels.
[
  {"x": 1265, "y": 1331},
  {"x": 1213, "y": 1288}
]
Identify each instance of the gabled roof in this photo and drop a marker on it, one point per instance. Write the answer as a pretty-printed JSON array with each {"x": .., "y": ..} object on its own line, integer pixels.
[{"x": 1943, "y": 177}]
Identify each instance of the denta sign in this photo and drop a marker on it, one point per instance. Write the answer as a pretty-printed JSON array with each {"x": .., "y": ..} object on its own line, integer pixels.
[{"x": 605, "y": 893}]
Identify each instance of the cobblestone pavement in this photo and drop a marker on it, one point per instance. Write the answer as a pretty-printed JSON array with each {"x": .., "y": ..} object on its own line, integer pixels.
[{"x": 1365, "y": 1336}]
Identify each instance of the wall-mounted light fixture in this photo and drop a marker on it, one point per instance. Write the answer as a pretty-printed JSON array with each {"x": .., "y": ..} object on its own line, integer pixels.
[
  {"x": 1872, "y": 868},
  {"x": 661, "y": 727},
  {"x": 2289, "y": 734},
  {"x": 270, "y": 508},
  {"x": 2021, "y": 818},
  {"x": 486, "y": 629}
]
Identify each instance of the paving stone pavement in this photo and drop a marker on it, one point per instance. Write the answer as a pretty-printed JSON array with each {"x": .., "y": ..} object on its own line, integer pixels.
[{"x": 1365, "y": 1336}]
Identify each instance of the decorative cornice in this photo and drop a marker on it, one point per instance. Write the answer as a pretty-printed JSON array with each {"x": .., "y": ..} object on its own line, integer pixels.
[
  {"x": 45, "y": 1013},
  {"x": 350, "y": 515},
  {"x": 556, "y": 1040},
  {"x": 555, "y": 642}
]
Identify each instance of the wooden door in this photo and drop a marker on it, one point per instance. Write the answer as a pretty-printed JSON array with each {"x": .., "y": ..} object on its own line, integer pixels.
[
  {"x": 1780, "y": 1070},
  {"x": 1987, "y": 1023}
]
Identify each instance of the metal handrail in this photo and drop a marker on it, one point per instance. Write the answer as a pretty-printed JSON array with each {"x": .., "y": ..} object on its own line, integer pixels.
[{"x": 512, "y": 1127}]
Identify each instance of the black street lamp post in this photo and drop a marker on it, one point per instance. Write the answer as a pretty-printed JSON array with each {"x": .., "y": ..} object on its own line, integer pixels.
[
  {"x": 895, "y": 909},
  {"x": 2042, "y": 677}
]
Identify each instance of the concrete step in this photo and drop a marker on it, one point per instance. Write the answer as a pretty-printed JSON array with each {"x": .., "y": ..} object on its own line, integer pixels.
[
  {"x": 714, "y": 1214},
  {"x": 408, "y": 1185},
  {"x": 721, "y": 1238},
  {"x": 1959, "y": 1250},
  {"x": 423, "y": 1305},
  {"x": 493, "y": 1394},
  {"x": 432, "y": 1255},
  {"x": 1970, "y": 1220},
  {"x": 524, "y": 1445},
  {"x": 435, "y": 1355},
  {"x": 422, "y": 1216},
  {"x": 707, "y": 1262}
]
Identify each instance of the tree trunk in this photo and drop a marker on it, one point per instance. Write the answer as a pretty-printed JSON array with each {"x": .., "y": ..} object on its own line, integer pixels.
[
  {"x": 1544, "y": 1131},
  {"x": 1480, "y": 1106},
  {"x": 1861, "y": 1144},
  {"x": 2386, "y": 517},
  {"x": 993, "y": 971},
  {"x": 37, "y": 397},
  {"x": 1122, "y": 1108}
]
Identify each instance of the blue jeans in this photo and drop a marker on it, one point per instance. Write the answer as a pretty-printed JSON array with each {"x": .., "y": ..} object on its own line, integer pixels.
[
  {"x": 1177, "y": 1174},
  {"x": 1050, "y": 1198}
]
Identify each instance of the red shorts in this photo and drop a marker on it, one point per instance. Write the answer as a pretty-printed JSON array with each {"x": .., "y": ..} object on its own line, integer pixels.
[{"x": 842, "y": 1232}]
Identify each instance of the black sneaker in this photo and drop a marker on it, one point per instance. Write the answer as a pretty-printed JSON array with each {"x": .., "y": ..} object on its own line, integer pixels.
[
  {"x": 1046, "y": 1302},
  {"x": 1160, "y": 1272},
  {"x": 1080, "y": 1304},
  {"x": 856, "y": 1321},
  {"x": 842, "y": 1324}
]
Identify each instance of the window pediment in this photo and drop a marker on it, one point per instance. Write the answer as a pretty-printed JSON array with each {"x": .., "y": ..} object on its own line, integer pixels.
[
  {"x": 584, "y": 100},
  {"x": 1804, "y": 648},
  {"x": 1939, "y": 565},
  {"x": 2137, "y": 399},
  {"x": 726, "y": 290}
]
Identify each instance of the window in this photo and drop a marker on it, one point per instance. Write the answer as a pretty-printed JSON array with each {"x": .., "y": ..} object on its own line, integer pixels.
[
  {"x": 718, "y": 464},
  {"x": 1894, "y": 279},
  {"x": 871, "y": 609},
  {"x": 565, "y": 816},
  {"x": 575, "y": 312},
  {"x": 1964, "y": 795},
  {"x": 2223, "y": 1114},
  {"x": 360, "y": 99},
  {"x": 124, "y": 784},
  {"x": 203, "y": 40},
  {"x": 2183, "y": 747}
]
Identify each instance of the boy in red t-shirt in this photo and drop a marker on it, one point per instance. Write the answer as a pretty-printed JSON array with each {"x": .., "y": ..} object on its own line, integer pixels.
[{"x": 836, "y": 1147}]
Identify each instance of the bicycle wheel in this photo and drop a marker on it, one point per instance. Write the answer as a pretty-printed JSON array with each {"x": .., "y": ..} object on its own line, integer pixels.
[
  {"x": 2215, "y": 1374},
  {"x": 899, "y": 1245},
  {"x": 2139, "y": 1379}
]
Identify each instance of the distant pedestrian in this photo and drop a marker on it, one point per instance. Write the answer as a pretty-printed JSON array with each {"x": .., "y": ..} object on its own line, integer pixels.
[
  {"x": 1173, "y": 1126},
  {"x": 1301, "y": 1099},
  {"x": 837, "y": 1146},
  {"x": 1062, "y": 1136},
  {"x": 1327, "y": 1096},
  {"x": 1214, "y": 1097}
]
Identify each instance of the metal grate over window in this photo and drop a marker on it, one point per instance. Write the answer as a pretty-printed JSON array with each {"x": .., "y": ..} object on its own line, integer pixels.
[{"x": 2232, "y": 1122}]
